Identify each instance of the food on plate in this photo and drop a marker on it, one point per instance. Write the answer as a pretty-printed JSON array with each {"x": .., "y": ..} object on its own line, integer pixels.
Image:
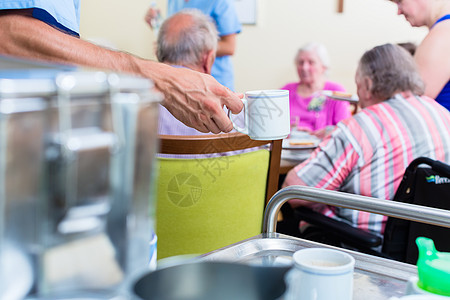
[
  {"x": 302, "y": 143},
  {"x": 342, "y": 94},
  {"x": 337, "y": 95}
]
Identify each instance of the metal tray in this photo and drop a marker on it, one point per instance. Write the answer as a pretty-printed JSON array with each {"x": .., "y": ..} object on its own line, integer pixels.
[{"x": 374, "y": 277}]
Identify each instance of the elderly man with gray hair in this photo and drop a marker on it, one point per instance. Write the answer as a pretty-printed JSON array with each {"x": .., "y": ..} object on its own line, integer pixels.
[
  {"x": 367, "y": 154},
  {"x": 188, "y": 39}
]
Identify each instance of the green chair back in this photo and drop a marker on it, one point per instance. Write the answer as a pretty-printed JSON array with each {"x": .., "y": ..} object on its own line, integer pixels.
[{"x": 205, "y": 204}]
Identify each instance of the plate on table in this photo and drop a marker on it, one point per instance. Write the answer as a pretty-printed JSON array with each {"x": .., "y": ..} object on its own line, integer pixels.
[
  {"x": 342, "y": 96},
  {"x": 300, "y": 140},
  {"x": 300, "y": 143},
  {"x": 298, "y": 156}
]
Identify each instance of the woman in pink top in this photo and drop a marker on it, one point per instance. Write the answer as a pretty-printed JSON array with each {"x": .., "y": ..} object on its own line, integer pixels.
[{"x": 310, "y": 110}]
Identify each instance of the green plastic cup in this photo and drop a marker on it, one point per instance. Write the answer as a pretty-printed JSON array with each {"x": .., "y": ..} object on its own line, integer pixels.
[{"x": 433, "y": 268}]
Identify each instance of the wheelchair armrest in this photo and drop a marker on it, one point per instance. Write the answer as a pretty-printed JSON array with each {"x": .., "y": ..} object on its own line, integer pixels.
[{"x": 345, "y": 231}]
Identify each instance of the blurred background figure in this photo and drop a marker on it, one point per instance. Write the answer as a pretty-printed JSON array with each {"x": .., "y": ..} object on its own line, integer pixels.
[
  {"x": 226, "y": 20},
  {"x": 433, "y": 54},
  {"x": 410, "y": 47},
  {"x": 187, "y": 39},
  {"x": 310, "y": 110},
  {"x": 367, "y": 154}
]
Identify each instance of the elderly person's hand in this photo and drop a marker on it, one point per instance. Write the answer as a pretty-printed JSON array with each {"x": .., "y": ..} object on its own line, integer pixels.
[{"x": 197, "y": 99}]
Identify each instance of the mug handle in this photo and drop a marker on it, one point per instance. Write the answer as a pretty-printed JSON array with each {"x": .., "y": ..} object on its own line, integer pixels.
[{"x": 235, "y": 126}]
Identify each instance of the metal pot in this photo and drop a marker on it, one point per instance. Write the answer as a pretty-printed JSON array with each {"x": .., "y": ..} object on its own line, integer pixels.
[
  {"x": 76, "y": 156},
  {"x": 213, "y": 280}
]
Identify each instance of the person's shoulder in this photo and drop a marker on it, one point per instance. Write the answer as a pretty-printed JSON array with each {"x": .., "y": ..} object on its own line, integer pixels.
[
  {"x": 225, "y": 15},
  {"x": 429, "y": 101},
  {"x": 436, "y": 40},
  {"x": 290, "y": 86},
  {"x": 224, "y": 4},
  {"x": 227, "y": 2},
  {"x": 334, "y": 86}
]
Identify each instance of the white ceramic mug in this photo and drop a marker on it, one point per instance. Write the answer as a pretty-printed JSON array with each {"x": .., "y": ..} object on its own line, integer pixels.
[
  {"x": 321, "y": 274},
  {"x": 266, "y": 115}
]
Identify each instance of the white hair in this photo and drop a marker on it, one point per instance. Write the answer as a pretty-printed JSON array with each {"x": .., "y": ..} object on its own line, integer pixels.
[{"x": 320, "y": 50}]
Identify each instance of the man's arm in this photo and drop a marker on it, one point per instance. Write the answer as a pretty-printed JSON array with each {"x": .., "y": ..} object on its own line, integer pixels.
[
  {"x": 195, "y": 99},
  {"x": 226, "y": 45},
  {"x": 326, "y": 168}
]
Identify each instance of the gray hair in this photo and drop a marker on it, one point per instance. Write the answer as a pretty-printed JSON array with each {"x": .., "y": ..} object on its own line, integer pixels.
[
  {"x": 188, "y": 45},
  {"x": 319, "y": 49},
  {"x": 392, "y": 69}
]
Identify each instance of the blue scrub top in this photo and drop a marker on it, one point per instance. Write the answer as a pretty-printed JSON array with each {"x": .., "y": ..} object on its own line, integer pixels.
[
  {"x": 224, "y": 15},
  {"x": 62, "y": 14}
]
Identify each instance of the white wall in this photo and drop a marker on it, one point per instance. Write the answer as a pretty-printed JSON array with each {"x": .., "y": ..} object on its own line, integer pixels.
[
  {"x": 120, "y": 23},
  {"x": 265, "y": 51}
]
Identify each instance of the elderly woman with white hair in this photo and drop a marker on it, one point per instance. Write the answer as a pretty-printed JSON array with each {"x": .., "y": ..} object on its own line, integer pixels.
[{"x": 310, "y": 110}]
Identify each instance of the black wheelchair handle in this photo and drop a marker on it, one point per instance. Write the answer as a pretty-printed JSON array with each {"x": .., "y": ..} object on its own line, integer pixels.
[
  {"x": 438, "y": 166},
  {"x": 442, "y": 168}
]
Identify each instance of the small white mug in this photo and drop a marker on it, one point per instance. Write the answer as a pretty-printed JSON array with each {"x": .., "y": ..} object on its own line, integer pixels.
[
  {"x": 321, "y": 274},
  {"x": 266, "y": 115}
]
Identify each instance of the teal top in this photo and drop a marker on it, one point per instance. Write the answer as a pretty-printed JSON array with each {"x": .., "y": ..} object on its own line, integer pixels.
[{"x": 62, "y": 14}]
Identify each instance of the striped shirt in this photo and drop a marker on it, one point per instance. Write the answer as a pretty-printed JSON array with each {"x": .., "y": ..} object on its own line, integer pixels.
[{"x": 368, "y": 153}]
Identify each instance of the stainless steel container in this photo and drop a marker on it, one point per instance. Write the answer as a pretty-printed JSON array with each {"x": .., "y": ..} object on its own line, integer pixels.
[
  {"x": 76, "y": 157},
  {"x": 213, "y": 280}
]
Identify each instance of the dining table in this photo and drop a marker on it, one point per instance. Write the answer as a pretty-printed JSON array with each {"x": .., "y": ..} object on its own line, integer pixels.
[
  {"x": 296, "y": 148},
  {"x": 289, "y": 160}
]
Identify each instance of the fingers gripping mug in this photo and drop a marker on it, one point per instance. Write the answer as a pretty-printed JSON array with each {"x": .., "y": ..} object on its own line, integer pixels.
[{"x": 266, "y": 115}]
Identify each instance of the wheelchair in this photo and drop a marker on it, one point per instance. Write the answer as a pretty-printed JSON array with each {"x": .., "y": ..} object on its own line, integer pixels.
[{"x": 425, "y": 182}]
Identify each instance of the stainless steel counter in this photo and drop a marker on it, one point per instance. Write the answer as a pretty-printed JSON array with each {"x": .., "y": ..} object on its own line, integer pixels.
[{"x": 374, "y": 277}]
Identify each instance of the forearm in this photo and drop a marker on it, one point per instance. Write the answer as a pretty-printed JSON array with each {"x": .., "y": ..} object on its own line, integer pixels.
[
  {"x": 226, "y": 45},
  {"x": 26, "y": 37},
  {"x": 193, "y": 98}
]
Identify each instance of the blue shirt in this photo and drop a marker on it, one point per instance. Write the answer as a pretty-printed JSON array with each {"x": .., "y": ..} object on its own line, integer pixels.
[
  {"x": 444, "y": 96},
  {"x": 62, "y": 14},
  {"x": 224, "y": 15}
]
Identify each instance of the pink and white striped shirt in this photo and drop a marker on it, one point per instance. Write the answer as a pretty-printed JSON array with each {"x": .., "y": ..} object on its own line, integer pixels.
[{"x": 368, "y": 153}]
